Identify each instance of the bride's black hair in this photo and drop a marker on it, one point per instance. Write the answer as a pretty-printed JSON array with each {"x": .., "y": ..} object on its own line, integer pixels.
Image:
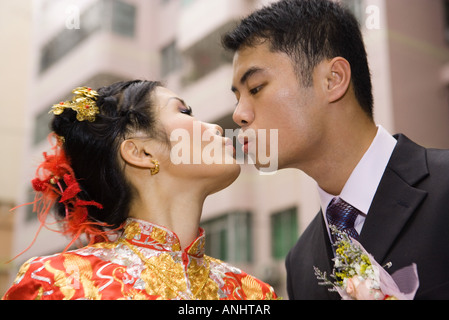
[{"x": 93, "y": 147}]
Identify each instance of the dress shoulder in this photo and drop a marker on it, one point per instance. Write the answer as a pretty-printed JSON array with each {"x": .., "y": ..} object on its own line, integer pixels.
[
  {"x": 32, "y": 282},
  {"x": 55, "y": 277}
]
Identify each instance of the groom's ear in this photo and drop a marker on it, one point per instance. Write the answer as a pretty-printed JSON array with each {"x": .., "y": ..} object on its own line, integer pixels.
[{"x": 338, "y": 79}]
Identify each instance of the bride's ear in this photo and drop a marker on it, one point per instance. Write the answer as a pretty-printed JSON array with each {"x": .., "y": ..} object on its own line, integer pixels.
[{"x": 136, "y": 153}]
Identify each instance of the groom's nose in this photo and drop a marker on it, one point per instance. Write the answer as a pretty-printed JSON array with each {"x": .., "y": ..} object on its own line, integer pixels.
[{"x": 243, "y": 115}]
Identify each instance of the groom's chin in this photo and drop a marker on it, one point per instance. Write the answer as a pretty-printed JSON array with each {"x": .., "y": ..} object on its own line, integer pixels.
[{"x": 267, "y": 169}]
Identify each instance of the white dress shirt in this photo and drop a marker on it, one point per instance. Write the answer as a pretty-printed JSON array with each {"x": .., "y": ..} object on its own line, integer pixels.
[{"x": 362, "y": 185}]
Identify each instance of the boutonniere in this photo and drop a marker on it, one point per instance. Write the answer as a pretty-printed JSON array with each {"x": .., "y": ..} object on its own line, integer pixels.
[{"x": 357, "y": 276}]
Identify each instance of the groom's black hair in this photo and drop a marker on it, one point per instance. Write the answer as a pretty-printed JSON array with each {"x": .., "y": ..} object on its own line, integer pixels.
[{"x": 309, "y": 31}]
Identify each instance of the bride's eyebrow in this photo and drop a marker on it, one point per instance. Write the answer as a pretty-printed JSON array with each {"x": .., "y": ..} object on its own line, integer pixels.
[{"x": 179, "y": 99}]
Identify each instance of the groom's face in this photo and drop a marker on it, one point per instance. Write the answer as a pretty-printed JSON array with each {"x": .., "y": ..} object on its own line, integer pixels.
[{"x": 270, "y": 96}]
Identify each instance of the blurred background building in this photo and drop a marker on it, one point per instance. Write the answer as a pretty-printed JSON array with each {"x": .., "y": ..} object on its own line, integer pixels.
[{"x": 50, "y": 47}]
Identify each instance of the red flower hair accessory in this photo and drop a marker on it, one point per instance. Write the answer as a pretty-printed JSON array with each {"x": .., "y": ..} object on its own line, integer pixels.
[{"x": 55, "y": 180}]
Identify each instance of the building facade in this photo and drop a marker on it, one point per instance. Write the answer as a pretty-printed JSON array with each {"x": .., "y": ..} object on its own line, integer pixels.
[
  {"x": 256, "y": 221},
  {"x": 15, "y": 26}
]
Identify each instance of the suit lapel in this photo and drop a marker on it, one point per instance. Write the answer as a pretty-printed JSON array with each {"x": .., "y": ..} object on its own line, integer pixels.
[
  {"x": 324, "y": 255},
  {"x": 396, "y": 198},
  {"x": 326, "y": 247}
]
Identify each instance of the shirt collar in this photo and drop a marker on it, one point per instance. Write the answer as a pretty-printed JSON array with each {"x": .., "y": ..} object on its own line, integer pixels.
[
  {"x": 362, "y": 185},
  {"x": 148, "y": 235}
]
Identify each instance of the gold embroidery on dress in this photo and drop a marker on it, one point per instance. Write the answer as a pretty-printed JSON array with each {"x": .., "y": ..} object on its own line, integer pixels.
[
  {"x": 61, "y": 281},
  {"x": 202, "y": 286},
  {"x": 132, "y": 230},
  {"x": 197, "y": 247},
  {"x": 84, "y": 268},
  {"x": 40, "y": 293},
  {"x": 176, "y": 246},
  {"x": 251, "y": 288},
  {"x": 130, "y": 294},
  {"x": 23, "y": 269},
  {"x": 104, "y": 245},
  {"x": 80, "y": 275},
  {"x": 164, "y": 277},
  {"x": 270, "y": 295},
  {"x": 159, "y": 235}
]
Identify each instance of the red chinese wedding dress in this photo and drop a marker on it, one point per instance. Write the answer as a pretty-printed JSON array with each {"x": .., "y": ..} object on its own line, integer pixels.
[{"x": 145, "y": 262}]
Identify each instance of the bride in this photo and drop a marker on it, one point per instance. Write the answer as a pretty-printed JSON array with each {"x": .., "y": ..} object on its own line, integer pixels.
[{"x": 112, "y": 182}]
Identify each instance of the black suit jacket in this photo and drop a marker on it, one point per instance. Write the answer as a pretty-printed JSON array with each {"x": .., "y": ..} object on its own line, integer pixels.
[{"x": 408, "y": 222}]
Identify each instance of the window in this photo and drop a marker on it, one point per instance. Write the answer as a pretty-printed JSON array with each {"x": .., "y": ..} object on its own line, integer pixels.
[
  {"x": 205, "y": 56},
  {"x": 41, "y": 126},
  {"x": 228, "y": 237},
  {"x": 186, "y": 3},
  {"x": 123, "y": 18},
  {"x": 65, "y": 41},
  {"x": 284, "y": 232},
  {"x": 446, "y": 17},
  {"x": 171, "y": 59},
  {"x": 112, "y": 15},
  {"x": 356, "y": 8},
  {"x": 30, "y": 215},
  {"x": 217, "y": 237}
]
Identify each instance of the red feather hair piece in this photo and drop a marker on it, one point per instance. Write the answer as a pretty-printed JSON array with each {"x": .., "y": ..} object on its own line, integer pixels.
[{"x": 54, "y": 169}]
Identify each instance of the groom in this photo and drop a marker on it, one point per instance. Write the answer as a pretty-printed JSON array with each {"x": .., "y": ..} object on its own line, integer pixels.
[{"x": 300, "y": 66}]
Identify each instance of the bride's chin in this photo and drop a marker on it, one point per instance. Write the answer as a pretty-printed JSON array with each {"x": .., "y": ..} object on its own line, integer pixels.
[
  {"x": 229, "y": 171},
  {"x": 225, "y": 176}
]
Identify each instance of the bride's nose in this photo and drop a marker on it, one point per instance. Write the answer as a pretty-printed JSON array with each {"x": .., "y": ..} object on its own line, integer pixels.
[{"x": 216, "y": 129}]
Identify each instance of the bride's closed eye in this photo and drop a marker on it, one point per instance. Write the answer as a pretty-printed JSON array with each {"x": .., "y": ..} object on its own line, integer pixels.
[{"x": 186, "y": 110}]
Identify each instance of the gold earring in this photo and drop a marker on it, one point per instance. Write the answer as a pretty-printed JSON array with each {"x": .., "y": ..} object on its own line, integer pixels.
[{"x": 155, "y": 170}]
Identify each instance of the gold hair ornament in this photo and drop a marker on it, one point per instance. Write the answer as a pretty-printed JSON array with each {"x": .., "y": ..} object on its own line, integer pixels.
[
  {"x": 83, "y": 103},
  {"x": 155, "y": 170}
]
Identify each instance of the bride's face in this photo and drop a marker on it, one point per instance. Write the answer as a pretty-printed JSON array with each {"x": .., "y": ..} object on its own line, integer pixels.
[{"x": 197, "y": 149}]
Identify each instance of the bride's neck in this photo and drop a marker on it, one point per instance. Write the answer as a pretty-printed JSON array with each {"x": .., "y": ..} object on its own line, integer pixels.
[{"x": 179, "y": 211}]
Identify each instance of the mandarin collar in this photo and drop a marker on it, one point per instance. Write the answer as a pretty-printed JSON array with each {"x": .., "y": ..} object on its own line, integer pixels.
[{"x": 148, "y": 235}]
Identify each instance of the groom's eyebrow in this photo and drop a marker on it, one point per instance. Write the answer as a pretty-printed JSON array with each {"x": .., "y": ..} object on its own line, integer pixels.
[{"x": 248, "y": 74}]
